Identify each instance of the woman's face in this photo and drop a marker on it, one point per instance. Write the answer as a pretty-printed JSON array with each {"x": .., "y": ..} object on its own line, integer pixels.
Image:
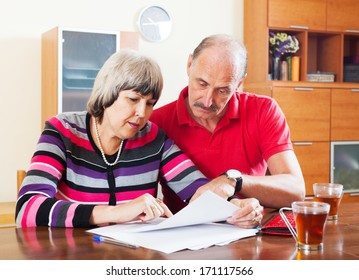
[{"x": 128, "y": 114}]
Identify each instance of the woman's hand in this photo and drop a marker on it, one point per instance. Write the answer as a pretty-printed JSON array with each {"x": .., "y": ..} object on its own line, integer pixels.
[
  {"x": 249, "y": 214},
  {"x": 144, "y": 208}
]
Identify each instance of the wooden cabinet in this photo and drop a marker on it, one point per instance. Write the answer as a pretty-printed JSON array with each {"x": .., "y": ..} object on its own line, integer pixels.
[
  {"x": 71, "y": 59},
  {"x": 317, "y": 112},
  {"x": 342, "y": 15},
  {"x": 345, "y": 115},
  {"x": 320, "y": 15},
  {"x": 314, "y": 159},
  {"x": 307, "y": 111},
  {"x": 297, "y": 14},
  {"x": 319, "y": 50}
]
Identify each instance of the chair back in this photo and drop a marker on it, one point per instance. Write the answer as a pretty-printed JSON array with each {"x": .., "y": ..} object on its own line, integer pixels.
[{"x": 20, "y": 177}]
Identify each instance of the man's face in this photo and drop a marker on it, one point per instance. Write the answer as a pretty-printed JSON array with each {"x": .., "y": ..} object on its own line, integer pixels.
[{"x": 211, "y": 84}]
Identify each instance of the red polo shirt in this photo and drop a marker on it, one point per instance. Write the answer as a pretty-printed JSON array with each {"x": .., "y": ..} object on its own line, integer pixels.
[{"x": 253, "y": 129}]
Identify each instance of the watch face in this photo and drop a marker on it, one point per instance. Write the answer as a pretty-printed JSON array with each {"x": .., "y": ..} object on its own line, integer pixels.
[
  {"x": 155, "y": 23},
  {"x": 232, "y": 173}
]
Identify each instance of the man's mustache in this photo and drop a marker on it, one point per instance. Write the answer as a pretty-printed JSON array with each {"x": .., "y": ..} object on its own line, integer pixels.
[{"x": 212, "y": 108}]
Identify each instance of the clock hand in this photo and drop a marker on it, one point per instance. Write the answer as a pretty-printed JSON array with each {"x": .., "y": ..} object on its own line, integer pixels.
[
  {"x": 156, "y": 23},
  {"x": 149, "y": 23}
]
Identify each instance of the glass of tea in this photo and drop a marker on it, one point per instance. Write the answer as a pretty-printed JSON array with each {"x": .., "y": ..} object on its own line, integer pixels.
[
  {"x": 330, "y": 193},
  {"x": 310, "y": 218}
]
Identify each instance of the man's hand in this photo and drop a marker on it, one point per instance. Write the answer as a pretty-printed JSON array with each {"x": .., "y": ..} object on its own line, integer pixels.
[
  {"x": 221, "y": 186},
  {"x": 249, "y": 214}
]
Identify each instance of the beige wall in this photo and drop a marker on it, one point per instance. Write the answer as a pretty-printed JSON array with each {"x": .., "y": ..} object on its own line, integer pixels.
[{"x": 23, "y": 22}]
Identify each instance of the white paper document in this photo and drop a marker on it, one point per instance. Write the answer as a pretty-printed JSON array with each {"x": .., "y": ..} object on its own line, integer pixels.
[{"x": 191, "y": 228}]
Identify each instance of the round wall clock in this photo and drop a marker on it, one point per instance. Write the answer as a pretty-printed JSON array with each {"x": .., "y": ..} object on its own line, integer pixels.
[{"x": 155, "y": 23}]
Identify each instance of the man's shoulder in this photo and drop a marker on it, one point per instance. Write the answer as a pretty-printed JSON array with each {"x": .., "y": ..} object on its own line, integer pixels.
[
  {"x": 164, "y": 112},
  {"x": 165, "y": 108},
  {"x": 252, "y": 99}
]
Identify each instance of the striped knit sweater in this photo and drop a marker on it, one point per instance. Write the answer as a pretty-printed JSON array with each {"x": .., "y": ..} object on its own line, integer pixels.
[{"x": 67, "y": 176}]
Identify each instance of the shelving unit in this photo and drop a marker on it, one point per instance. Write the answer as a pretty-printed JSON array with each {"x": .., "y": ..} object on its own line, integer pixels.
[
  {"x": 71, "y": 59},
  {"x": 317, "y": 112}
]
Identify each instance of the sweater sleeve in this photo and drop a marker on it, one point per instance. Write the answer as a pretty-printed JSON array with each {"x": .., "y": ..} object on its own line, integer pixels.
[
  {"x": 179, "y": 172},
  {"x": 37, "y": 204}
]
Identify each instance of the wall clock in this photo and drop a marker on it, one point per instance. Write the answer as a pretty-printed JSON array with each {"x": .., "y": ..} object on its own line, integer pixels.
[{"x": 155, "y": 23}]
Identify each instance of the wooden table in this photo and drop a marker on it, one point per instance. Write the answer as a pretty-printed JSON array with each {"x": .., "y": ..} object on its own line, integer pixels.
[{"x": 341, "y": 241}]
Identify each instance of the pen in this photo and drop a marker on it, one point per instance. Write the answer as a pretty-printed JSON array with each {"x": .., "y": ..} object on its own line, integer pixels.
[{"x": 99, "y": 238}]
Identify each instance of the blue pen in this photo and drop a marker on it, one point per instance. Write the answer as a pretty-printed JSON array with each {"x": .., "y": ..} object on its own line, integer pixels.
[{"x": 98, "y": 238}]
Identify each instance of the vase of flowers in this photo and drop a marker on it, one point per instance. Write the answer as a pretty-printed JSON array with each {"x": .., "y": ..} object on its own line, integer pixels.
[{"x": 281, "y": 44}]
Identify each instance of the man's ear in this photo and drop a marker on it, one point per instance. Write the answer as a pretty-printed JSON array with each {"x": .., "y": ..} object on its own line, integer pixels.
[
  {"x": 241, "y": 81},
  {"x": 189, "y": 63}
]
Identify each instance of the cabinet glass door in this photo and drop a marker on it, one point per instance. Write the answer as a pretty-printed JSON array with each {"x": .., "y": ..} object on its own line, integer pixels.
[{"x": 83, "y": 54}]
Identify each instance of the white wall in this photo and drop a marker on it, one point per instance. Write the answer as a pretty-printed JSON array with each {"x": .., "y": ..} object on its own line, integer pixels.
[{"x": 22, "y": 23}]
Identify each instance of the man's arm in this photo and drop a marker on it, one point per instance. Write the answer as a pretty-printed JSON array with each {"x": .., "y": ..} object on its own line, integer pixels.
[{"x": 282, "y": 187}]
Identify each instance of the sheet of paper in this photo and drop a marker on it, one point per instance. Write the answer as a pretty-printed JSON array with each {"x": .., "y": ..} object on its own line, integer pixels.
[
  {"x": 207, "y": 208},
  {"x": 191, "y": 228},
  {"x": 170, "y": 240}
]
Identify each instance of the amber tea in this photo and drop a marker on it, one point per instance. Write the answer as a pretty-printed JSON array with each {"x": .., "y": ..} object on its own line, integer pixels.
[
  {"x": 310, "y": 227},
  {"x": 310, "y": 218},
  {"x": 331, "y": 194},
  {"x": 332, "y": 201}
]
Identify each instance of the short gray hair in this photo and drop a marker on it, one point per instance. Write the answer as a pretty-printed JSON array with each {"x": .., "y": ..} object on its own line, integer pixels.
[
  {"x": 228, "y": 44},
  {"x": 125, "y": 70}
]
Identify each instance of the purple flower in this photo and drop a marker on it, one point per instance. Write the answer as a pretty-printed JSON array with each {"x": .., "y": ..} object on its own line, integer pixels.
[{"x": 282, "y": 43}]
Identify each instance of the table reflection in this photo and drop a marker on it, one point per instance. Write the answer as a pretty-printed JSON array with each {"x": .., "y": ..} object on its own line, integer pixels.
[{"x": 69, "y": 243}]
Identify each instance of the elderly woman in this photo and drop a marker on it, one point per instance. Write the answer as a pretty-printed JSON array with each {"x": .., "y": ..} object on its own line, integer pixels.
[{"x": 103, "y": 166}]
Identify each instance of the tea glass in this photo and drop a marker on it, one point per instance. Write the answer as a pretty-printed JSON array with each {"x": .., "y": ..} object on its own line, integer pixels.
[
  {"x": 330, "y": 193},
  {"x": 310, "y": 218}
]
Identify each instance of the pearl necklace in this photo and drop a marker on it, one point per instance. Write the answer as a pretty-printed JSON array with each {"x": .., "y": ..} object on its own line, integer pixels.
[{"x": 100, "y": 146}]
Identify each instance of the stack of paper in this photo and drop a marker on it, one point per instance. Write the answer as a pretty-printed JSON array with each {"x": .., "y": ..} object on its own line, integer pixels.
[{"x": 191, "y": 228}]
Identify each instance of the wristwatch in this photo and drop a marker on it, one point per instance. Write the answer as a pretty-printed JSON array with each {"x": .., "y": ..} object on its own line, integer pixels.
[{"x": 237, "y": 177}]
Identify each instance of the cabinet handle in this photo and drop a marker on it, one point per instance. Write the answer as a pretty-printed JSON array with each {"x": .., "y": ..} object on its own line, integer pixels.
[
  {"x": 302, "y": 143},
  {"x": 352, "y": 30},
  {"x": 354, "y": 194},
  {"x": 299, "y": 27},
  {"x": 304, "y": 88},
  {"x": 355, "y": 89}
]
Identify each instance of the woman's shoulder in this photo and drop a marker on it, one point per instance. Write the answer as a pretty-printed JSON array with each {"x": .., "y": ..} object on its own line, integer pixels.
[
  {"x": 150, "y": 131},
  {"x": 69, "y": 120},
  {"x": 148, "y": 142}
]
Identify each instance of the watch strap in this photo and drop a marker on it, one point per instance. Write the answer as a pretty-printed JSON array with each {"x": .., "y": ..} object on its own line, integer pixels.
[
  {"x": 232, "y": 197},
  {"x": 239, "y": 182}
]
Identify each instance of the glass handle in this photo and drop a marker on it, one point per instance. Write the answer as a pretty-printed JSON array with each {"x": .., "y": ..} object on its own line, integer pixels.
[{"x": 291, "y": 229}]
